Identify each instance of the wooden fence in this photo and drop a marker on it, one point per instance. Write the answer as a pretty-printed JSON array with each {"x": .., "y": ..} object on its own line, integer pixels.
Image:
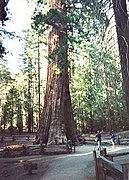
[
  {"x": 17, "y": 138},
  {"x": 105, "y": 167}
]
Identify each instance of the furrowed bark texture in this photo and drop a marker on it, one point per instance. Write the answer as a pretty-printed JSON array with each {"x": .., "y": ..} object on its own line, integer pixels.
[
  {"x": 57, "y": 112},
  {"x": 122, "y": 27}
]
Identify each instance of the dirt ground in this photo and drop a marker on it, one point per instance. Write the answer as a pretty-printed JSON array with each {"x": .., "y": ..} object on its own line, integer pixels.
[
  {"x": 74, "y": 166},
  {"x": 12, "y": 168},
  {"x": 54, "y": 165},
  {"x": 48, "y": 165}
]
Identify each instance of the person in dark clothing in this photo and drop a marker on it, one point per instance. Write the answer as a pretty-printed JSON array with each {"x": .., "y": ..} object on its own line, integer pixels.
[
  {"x": 98, "y": 139},
  {"x": 113, "y": 139}
]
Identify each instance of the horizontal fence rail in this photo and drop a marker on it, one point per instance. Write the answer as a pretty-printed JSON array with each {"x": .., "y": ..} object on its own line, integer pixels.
[{"x": 105, "y": 167}]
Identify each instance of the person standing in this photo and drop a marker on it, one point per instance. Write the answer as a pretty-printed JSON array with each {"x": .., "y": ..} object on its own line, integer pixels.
[
  {"x": 98, "y": 139},
  {"x": 113, "y": 139}
]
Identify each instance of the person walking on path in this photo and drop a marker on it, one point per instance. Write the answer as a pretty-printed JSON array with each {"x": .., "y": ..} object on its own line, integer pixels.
[
  {"x": 113, "y": 139},
  {"x": 98, "y": 139}
]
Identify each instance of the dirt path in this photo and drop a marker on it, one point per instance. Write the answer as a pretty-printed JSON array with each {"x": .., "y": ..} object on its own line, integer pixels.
[
  {"x": 79, "y": 165},
  {"x": 75, "y": 166}
]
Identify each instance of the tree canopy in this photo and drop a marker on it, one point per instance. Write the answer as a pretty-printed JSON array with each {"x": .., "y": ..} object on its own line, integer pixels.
[{"x": 83, "y": 48}]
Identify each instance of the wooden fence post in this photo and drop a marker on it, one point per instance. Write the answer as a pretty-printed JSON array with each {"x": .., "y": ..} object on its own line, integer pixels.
[
  {"x": 103, "y": 152},
  {"x": 25, "y": 150},
  {"x": 125, "y": 169},
  {"x": 96, "y": 168},
  {"x": 42, "y": 148},
  {"x": 101, "y": 170},
  {"x": 2, "y": 139}
]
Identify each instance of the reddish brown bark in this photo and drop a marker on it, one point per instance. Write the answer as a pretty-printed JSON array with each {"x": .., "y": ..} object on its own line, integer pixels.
[
  {"x": 57, "y": 112},
  {"x": 122, "y": 27}
]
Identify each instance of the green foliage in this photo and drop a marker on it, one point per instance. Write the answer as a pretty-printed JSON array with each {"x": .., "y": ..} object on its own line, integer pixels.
[
  {"x": 10, "y": 105},
  {"x": 86, "y": 40},
  {"x": 52, "y": 17},
  {"x": 97, "y": 93},
  {"x": 96, "y": 86}
]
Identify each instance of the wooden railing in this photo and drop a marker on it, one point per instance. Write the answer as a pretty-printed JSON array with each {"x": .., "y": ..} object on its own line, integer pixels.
[
  {"x": 107, "y": 168},
  {"x": 16, "y": 137}
]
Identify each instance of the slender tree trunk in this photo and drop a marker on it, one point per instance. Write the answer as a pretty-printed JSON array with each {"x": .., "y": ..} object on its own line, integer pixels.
[
  {"x": 91, "y": 103},
  {"x": 30, "y": 107},
  {"x": 57, "y": 112},
  {"x": 39, "y": 83},
  {"x": 108, "y": 122},
  {"x": 19, "y": 119},
  {"x": 122, "y": 27},
  {"x": 29, "y": 120}
]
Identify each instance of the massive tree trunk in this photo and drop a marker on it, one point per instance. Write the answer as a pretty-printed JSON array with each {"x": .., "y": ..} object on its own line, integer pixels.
[
  {"x": 122, "y": 27},
  {"x": 57, "y": 113}
]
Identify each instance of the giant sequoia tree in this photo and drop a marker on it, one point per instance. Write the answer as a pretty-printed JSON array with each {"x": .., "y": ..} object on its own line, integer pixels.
[
  {"x": 122, "y": 27},
  {"x": 57, "y": 112}
]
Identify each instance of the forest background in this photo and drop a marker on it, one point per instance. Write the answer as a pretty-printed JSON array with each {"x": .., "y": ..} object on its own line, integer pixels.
[{"x": 97, "y": 84}]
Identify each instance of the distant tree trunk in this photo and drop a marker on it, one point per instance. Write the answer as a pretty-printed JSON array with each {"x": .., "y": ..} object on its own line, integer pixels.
[
  {"x": 122, "y": 27},
  {"x": 91, "y": 103},
  {"x": 19, "y": 119},
  {"x": 30, "y": 108},
  {"x": 108, "y": 120},
  {"x": 39, "y": 83},
  {"x": 57, "y": 111}
]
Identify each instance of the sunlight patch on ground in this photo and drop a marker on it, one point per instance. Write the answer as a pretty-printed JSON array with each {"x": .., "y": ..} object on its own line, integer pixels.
[
  {"x": 116, "y": 148},
  {"x": 82, "y": 154},
  {"x": 75, "y": 155}
]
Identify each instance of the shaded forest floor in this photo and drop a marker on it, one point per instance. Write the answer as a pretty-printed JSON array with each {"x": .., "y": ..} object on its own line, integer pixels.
[
  {"x": 51, "y": 167},
  {"x": 12, "y": 167}
]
